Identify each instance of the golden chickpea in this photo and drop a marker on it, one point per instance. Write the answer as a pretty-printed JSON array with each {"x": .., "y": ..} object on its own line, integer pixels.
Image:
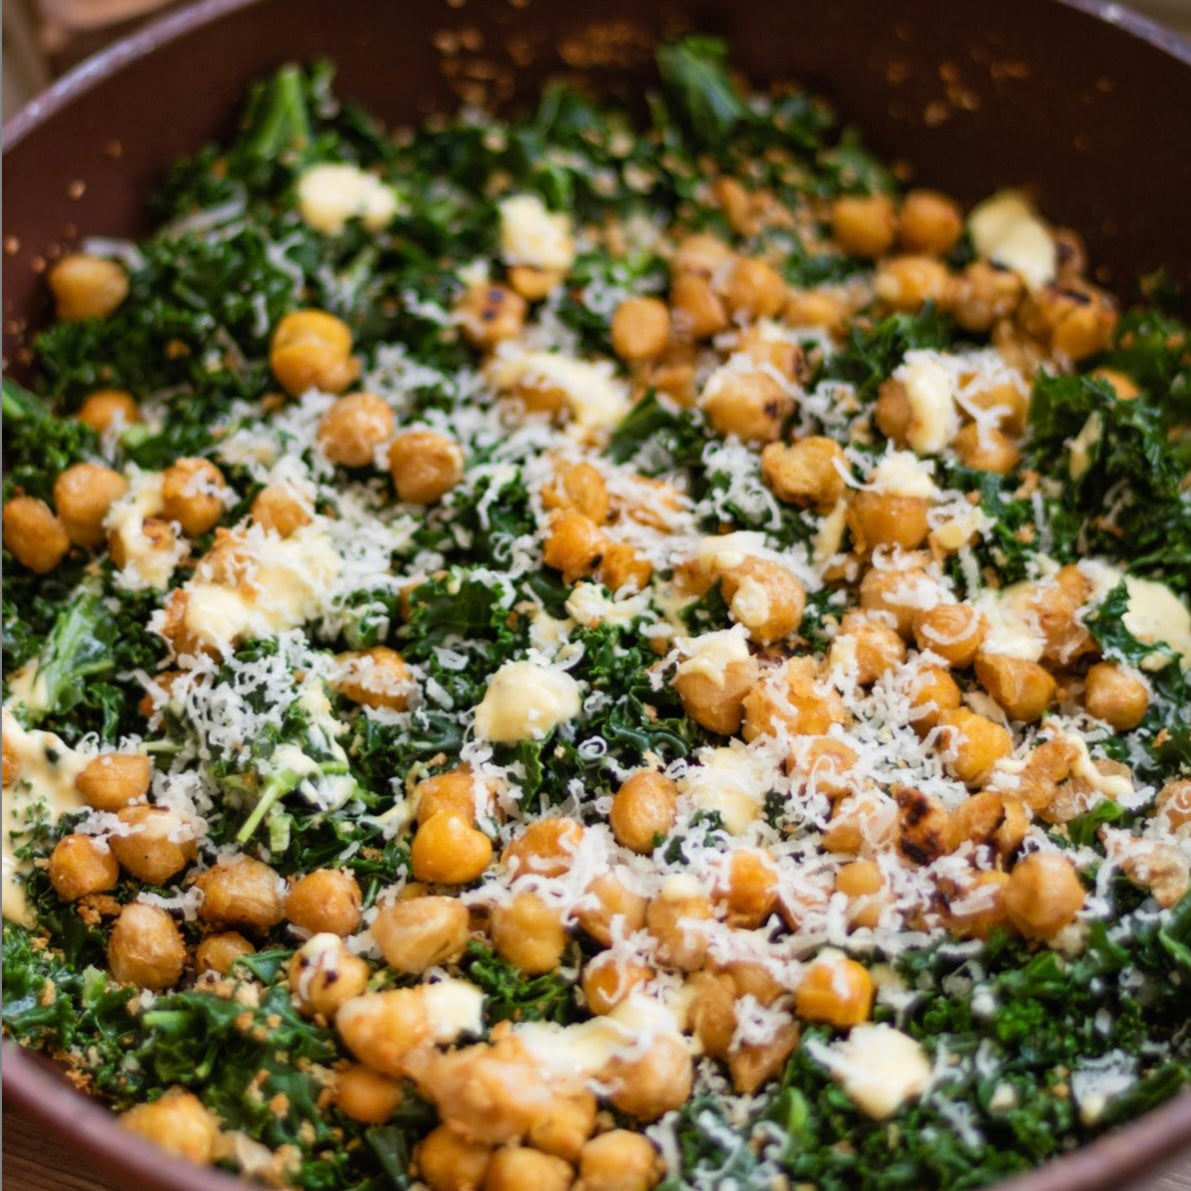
[
  {"x": 764, "y": 597},
  {"x": 111, "y": 781},
  {"x": 574, "y": 545},
  {"x": 1116, "y": 695},
  {"x": 529, "y": 933},
  {"x": 1023, "y": 688},
  {"x": 1161, "y": 869},
  {"x": 567, "y": 1126},
  {"x": 753, "y": 290},
  {"x": 755, "y": 1063},
  {"x": 1043, "y": 895},
  {"x": 992, "y": 819},
  {"x": 243, "y": 892},
  {"x": 953, "y": 632},
  {"x": 701, "y": 254},
  {"x": 36, "y": 538},
  {"x": 836, "y": 991},
  {"x": 622, "y": 568},
  {"x": 983, "y": 294},
  {"x": 311, "y": 349},
  {"x": 281, "y": 509},
  {"x": 1078, "y": 319},
  {"x": 1125, "y": 387},
  {"x": 893, "y": 412},
  {"x": 145, "y": 948},
  {"x": 607, "y": 981},
  {"x": 1173, "y": 804},
  {"x": 381, "y": 1028},
  {"x": 11, "y": 762},
  {"x": 736, "y": 204},
  {"x": 883, "y": 519},
  {"x": 747, "y": 888},
  {"x": 1056, "y": 607},
  {"x": 217, "y": 953},
  {"x": 653, "y": 1084},
  {"x": 923, "y": 825},
  {"x": 698, "y": 312},
  {"x": 929, "y": 222},
  {"x": 376, "y": 677},
  {"x": 448, "y": 1163},
  {"x": 824, "y": 763},
  {"x": 985, "y": 448},
  {"x": 864, "y": 225},
  {"x": 80, "y": 865},
  {"x": 516, "y": 1168},
  {"x": 490, "y": 313},
  {"x": 448, "y": 850},
  {"x": 792, "y": 699},
  {"x": 863, "y": 885},
  {"x": 87, "y": 286},
  {"x": 861, "y": 823},
  {"x": 421, "y": 933},
  {"x": 975, "y": 909},
  {"x": 619, "y": 1160},
  {"x": 454, "y": 791},
  {"x": 533, "y": 282},
  {"x": 868, "y": 648},
  {"x": 608, "y": 901},
  {"x": 324, "y": 975},
  {"x": 909, "y": 282},
  {"x": 192, "y": 492},
  {"x": 767, "y": 351},
  {"x": 751, "y": 405},
  {"x": 108, "y": 407},
  {"x": 155, "y": 845},
  {"x": 82, "y": 496},
  {"x": 817, "y": 308},
  {"x": 809, "y": 472},
  {"x": 897, "y": 592},
  {"x": 546, "y": 847},
  {"x": 366, "y": 1095},
  {"x": 325, "y": 901},
  {"x": 425, "y": 466},
  {"x": 932, "y": 693},
  {"x": 179, "y": 1123},
  {"x": 352, "y": 429},
  {"x": 976, "y": 742},
  {"x": 713, "y": 1011},
  {"x": 717, "y": 702},
  {"x": 640, "y": 329},
  {"x": 643, "y": 810},
  {"x": 579, "y": 487},
  {"x": 675, "y": 921},
  {"x": 1007, "y": 400}
]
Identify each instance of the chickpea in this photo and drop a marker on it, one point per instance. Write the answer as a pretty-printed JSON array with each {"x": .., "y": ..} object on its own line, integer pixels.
[
  {"x": 86, "y": 286},
  {"x": 982, "y": 295},
  {"x": 861, "y": 823},
  {"x": 754, "y": 290},
  {"x": 867, "y": 647},
  {"x": 516, "y": 1168},
  {"x": 622, "y": 568},
  {"x": 36, "y": 538},
  {"x": 909, "y": 282},
  {"x": 242, "y": 892},
  {"x": 883, "y": 519},
  {"x": 825, "y": 764},
  {"x": 1078, "y": 319},
  {"x": 419, "y": 934},
  {"x": 809, "y": 472},
  {"x": 106, "y": 408},
  {"x": 923, "y": 825},
  {"x": 653, "y": 1084},
  {"x": 454, "y": 791},
  {"x": 490, "y": 313},
  {"x": 1043, "y": 895},
  {"x": 764, "y": 597},
  {"x": 953, "y": 632},
  {"x": 701, "y": 254},
  {"x": 1023, "y": 688},
  {"x": 836, "y": 991},
  {"x": 607, "y": 981},
  {"x": 1173, "y": 804},
  {"x": 281, "y": 509},
  {"x": 381, "y": 1028},
  {"x": 770, "y": 351},
  {"x": 893, "y": 412},
  {"x": 1161, "y": 869},
  {"x": 898, "y": 592},
  {"x": 932, "y": 692},
  {"x": 82, "y": 495},
  {"x": 80, "y": 865},
  {"x": 975, "y": 910},
  {"x": 736, "y": 204},
  {"x": 448, "y": 1163},
  {"x": 533, "y": 282},
  {"x": 111, "y": 781},
  {"x": 713, "y": 1011},
  {"x": 752, "y": 978},
  {"x": 529, "y": 933},
  {"x": 864, "y": 225},
  {"x": 179, "y": 1123},
  {"x": 11, "y": 762},
  {"x": 1047, "y": 765},
  {"x": 579, "y": 487},
  {"x": 192, "y": 492},
  {"x": 640, "y": 329},
  {"x": 698, "y": 312},
  {"x": 817, "y": 308},
  {"x": 546, "y": 847},
  {"x": 1056, "y": 609},
  {"x": 157, "y": 845},
  {"x": 312, "y": 350},
  {"x": 862, "y": 883},
  {"x": 567, "y": 1126},
  {"x": 574, "y": 545},
  {"x": 985, "y": 448},
  {"x": 425, "y": 466},
  {"x": 716, "y": 702},
  {"x": 217, "y": 953},
  {"x": 748, "y": 888},
  {"x": 991, "y": 819},
  {"x": 929, "y": 222},
  {"x": 448, "y": 850},
  {"x": 674, "y": 921},
  {"x": 366, "y": 1095},
  {"x": 793, "y": 699},
  {"x": 145, "y": 948},
  {"x": 1124, "y": 387},
  {"x": 619, "y": 1160},
  {"x": 608, "y": 901},
  {"x": 324, "y": 975},
  {"x": 755, "y": 1063},
  {"x": 977, "y": 743},
  {"x": 1116, "y": 695},
  {"x": 643, "y": 810},
  {"x": 352, "y": 429},
  {"x": 1007, "y": 400},
  {"x": 376, "y": 677},
  {"x": 751, "y": 405},
  {"x": 325, "y": 901}
]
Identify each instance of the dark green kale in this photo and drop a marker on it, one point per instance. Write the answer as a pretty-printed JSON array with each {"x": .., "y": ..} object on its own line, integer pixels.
[
  {"x": 40, "y": 445},
  {"x": 511, "y": 995},
  {"x": 873, "y": 350},
  {"x": 659, "y": 436},
  {"x": 703, "y": 99}
]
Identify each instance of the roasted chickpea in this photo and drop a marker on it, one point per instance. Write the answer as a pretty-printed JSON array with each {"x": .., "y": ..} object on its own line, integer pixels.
[
  {"x": 864, "y": 225},
  {"x": 991, "y": 818},
  {"x": 736, "y": 204},
  {"x": 866, "y": 647},
  {"x": 929, "y": 222},
  {"x": 376, "y": 677},
  {"x": 86, "y": 286},
  {"x": 883, "y": 519},
  {"x": 1113, "y": 694},
  {"x": 217, "y": 953},
  {"x": 751, "y": 405},
  {"x": 932, "y": 693},
  {"x": 80, "y": 865},
  {"x": 155, "y": 844},
  {"x": 281, "y": 509},
  {"x": 418, "y": 934},
  {"x": 578, "y": 487},
  {"x": 533, "y": 282},
  {"x": 619, "y": 1160},
  {"x": 953, "y": 632},
  {"x": 567, "y": 1126},
  {"x": 325, "y": 901},
  {"x": 454, "y": 791},
  {"x": 179, "y": 1123},
  {"x": 490, "y": 313},
  {"x": 747, "y": 888},
  {"x": 192, "y": 493},
  {"x": 702, "y": 254},
  {"x": 529, "y": 933},
  {"x": 640, "y": 328},
  {"x": 755, "y": 1063},
  {"x": 862, "y": 883},
  {"x": 352, "y": 429},
  {"x": 1173, "y": 804},
  {"x": 107, "y": 408},
  {"x": 764, "y": 597},
  {"x": 448, "y": 850},
  {"x": 1023, "y": 688},
  {"x": 243, "y": 893},
  {"x": 145, "y": 948},
  {"x": 824, "y": 763},
  {"x": 516, "y": 1168},
  {"x": 1124, "y": 387},
  {"x": 979, "y": 906},
  {"x": 546, "y": 847},
  {"x": 381, "y": 1028},
  {"x": 652, "y": 1084},
  {"x": 1161, "y": 869},
  {"x": 909, "y": 282},
  {"x": 448, "y": 1163},
  {"x": 608, "y": 901},
  {"x": 698, "y": 312},
  {"x": 1006, "y": 399},
  {"x": 425, "y": 466},
  {"x": 977, "y": 744},
  {"x": 1056, "y": 606},
  {"x": 985, "y": 448},
  {"x": 923, "y": 825},
  {"x": 983, "y": 294},
  {"x": 753, "y": 289},
  {"x": 36, "y": 538},
  {"x": 623, "y": 568},
  {"x": 1043, "y": 895},
  {"x": 861, "y": 823},
  {"x": 11, "y": 770},
  {"x": 324, "y": 975},
  {"x": 1078, "y": 319},
  {"x": 717, "y": 701},
  {"x": 607, "y": 980},
  {"x": 792, "y": 698},
  {"x": 674, "y": 919},
  {"x": 111, "y": 781},
  {"x": 366, "y": 1095},
  {"x": 836, "y": 991},
  {"x": 817, "y": 308},
  {"x": 574, "y": 545},
  {"x": 643, "y": 810},
  {"x": 311, "y": 349},
  {"x": 809, "y": 472},
  {"x": 900, "y": 592},
  {"x": 82, "y": 496}
]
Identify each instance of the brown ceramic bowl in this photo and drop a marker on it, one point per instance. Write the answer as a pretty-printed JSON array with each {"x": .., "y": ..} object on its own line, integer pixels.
[{"x": 1080, "y": 101}]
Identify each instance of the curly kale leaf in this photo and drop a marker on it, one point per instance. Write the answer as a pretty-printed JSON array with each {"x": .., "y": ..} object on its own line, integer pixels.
[
  {"x": 702, "y": 98},
  {"x": 872, "y": 351},
  {"x": 39, "y": 444},
  {"x": 510, "y": 995}
]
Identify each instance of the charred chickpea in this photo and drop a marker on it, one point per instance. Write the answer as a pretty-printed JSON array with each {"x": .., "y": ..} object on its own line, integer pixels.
[
  {"x": 425, "y": 466},
  {"x": 620, "y": 1160},
  {"x": 145, "y": 948},
  {"x": 36, "y": 538},
  {"x": 243, "y": 892},
  {"x": 192, "y": 492},
  {"x": 1023, "y": 688},
  {"x": 764, "y": 597},
  {"x": 864, "y": 225},
  {"x": 862, "y": 883},
  {"x": 809, "y": 472},
  {"x": 179, "y": 1122},
  {"x": 217, "y": 953},
  {"x": 623, "y": 567},
  {"x": 836, "y": 991},
  {"x": 580, "y": 488},
  {"x": 698, "y": 312},
  {"x": 366, "y": 1095},
  {"x": 953, "y": 632},
  {"x": 640, "y": 329},
  {"x": 975, "y": 743},
  {"x": 86, "y": 286},
  {"x": 529, "y": 933},
  {"x": 1043, "y": 895},
  {"x": 80, "y": 865},
  {"x": 324, "y": 901},
  {"x": 448, "y": 850},
  {"x": 112, "y": 780},
  {"x": 281, "y": 509},
  {"x": 82, "y": 496},
  {"x": 983, "y": 294},
  {"x": 490, "y": 313},
  {"x": 376, "y": 677},
  {"x": 751, "y": 405},
  {"x": 922, "y": 825},
  {"x": 907, "y": 283},
  {"x": 516, "y": 1168},
  {"x": 991, "y": 818},
  {"x": 154, "y": 843},
  {"x": 354, "y": 426},
  {"x": 108, "y": 407},
  {"x": 418, "y": 934},
  {"x": 643, "y": 810},
  {"x": 932, "y": 693},
  {"x": 574, "y": 545},
  {"x": 608, "y": 980},
  {"x": 324, "y": 975},
  {"x": 753, "y": 290},
  {"x": 311, "y": 349},
  {"x": 884, "y": 519},
  {"x": 929, "y": 222},
  {"x": 546, "y": 847},
  {"x": 985, "y": 448},
  {"x": 449, "y": 1163},
  {"x": 1114, "y": 694}
]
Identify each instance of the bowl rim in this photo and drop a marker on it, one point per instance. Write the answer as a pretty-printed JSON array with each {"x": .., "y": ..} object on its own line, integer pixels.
[{"x": 85, "y": 1123}]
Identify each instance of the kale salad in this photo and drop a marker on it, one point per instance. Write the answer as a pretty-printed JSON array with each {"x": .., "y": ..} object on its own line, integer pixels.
[{"x": 621, "y": 647}]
